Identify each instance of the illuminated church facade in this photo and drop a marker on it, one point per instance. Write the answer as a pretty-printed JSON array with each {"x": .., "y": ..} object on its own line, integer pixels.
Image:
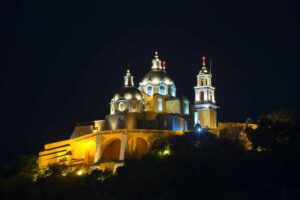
[{"x": 139, "y": 116}]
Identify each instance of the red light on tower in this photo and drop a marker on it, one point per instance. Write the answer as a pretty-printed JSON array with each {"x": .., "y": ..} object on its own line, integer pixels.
[
  {"x": 164, "y": 65},
  {"x": 203, "y": 60}
]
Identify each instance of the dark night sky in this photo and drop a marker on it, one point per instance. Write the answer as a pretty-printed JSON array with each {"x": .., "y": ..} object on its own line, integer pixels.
[{"x": 62, "y": 61}]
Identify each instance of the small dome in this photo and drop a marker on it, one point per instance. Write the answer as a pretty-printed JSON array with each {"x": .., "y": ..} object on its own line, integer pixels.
[{"x": 128, "y": 93}]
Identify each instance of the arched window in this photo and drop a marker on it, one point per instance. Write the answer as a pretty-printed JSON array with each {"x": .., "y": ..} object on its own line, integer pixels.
[
  {"x": 122, "y": 106},
  {"x": 162, "y": 90},
  {"x": 186, "y": 107},
  {"x": 112, "y": 109},
  {"x": 159, "y": 105},
  {"x": 133, "y": 106},
  {"x": 150, "y": 90},
  {"x": 173, "y": 91},
  {"x": 201, "y": 96},
  {"x": 203, "y": 82}
]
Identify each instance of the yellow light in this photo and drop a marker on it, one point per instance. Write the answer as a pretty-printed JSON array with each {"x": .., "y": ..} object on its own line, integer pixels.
[
  {"x": 155, "y": 81},
  {"x": 166, "y": 152},
  {"x": 128, "y": 96},
  {"x": 167, "y": 81},
  {"x": 79, "y": 172},
  {"x": 259, "y": 149},
  {"x": 64, "y": 174},
  {"x": 138, "y": 97}
]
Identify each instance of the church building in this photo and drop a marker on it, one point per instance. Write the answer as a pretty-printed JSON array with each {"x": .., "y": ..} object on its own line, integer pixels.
[{"x": 139, "y": 116}]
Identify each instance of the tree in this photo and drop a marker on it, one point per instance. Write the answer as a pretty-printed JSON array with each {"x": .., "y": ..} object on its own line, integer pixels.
[
  {"x": 55, "y": 170},
  {"x": 27, "y": 164},
  {"x": 274, "y": 130}
]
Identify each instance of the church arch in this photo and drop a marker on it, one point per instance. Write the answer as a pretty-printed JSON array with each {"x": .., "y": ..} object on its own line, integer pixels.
[
  {"x": 137, "y": 147},
  {"x": 111, "y": 149}
]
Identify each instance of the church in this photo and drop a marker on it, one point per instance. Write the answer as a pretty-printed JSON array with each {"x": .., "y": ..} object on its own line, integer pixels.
[{"x": 139, "y": 116}]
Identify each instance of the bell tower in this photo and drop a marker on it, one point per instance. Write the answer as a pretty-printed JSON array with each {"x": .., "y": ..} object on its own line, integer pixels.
[{"x": 205, "y": 103}]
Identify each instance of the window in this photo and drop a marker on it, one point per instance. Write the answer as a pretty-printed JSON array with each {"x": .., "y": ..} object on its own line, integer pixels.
[
  {"x": 162, "y": 90},
  {"x": 186, "y": 107},
  {"x": 133, "y": 105},
  {"x": 122, "y": 106},
  {"x": 201, "y": 96},
  {"x": 159, "y": 105},
  {"x": 173, "y": 91},
  {"x": 165, "y": 123},
  {"x": 150, "y": 90},
  {"x": 121, "y": 118},
  {"x": 112, "y": 109},
  {"x": 150, "y": 123},
  {"x": 196, "y": 119}
]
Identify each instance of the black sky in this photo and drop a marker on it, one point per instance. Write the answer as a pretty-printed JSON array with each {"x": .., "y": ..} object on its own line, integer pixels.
[{"x": 62, "y": 61}]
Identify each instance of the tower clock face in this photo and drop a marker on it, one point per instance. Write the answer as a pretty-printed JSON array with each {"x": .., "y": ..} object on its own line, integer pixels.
[{"x": 122, "y": 106}]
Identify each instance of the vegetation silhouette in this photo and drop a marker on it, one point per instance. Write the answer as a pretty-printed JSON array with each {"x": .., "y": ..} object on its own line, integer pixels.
[{"x": 195, "y": 165}]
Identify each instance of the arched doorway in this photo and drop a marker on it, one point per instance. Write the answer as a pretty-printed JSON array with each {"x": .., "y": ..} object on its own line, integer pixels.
[
  {"x": 137, "y": 147},
  {"x": 111, "y": 150}
]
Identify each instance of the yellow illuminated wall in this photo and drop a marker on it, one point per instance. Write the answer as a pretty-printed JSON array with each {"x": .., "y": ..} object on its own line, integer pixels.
[
  {"x": 103, "y": 149},
  {"x": 207, "y": 117}
]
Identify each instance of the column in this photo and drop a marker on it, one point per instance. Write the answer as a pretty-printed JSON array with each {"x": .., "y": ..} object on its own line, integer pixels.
[
  {"x": 123, "y": 145},
  {"x": 98, "y": 148}
]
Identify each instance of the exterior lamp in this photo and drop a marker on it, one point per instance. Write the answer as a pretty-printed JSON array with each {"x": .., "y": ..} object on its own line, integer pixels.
[
  {"x": 165, "y": 152},
  {"x": 79, "y": 172},
  {"x": 198, "y": 129}
]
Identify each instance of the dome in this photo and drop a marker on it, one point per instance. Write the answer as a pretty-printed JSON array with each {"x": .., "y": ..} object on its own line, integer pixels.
[
  {"x": 157, "y": 81},
  {"x": 128, "y": 98},
  {"x": 128, "y": 93},
  {"x": 157, "y": 77}
]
